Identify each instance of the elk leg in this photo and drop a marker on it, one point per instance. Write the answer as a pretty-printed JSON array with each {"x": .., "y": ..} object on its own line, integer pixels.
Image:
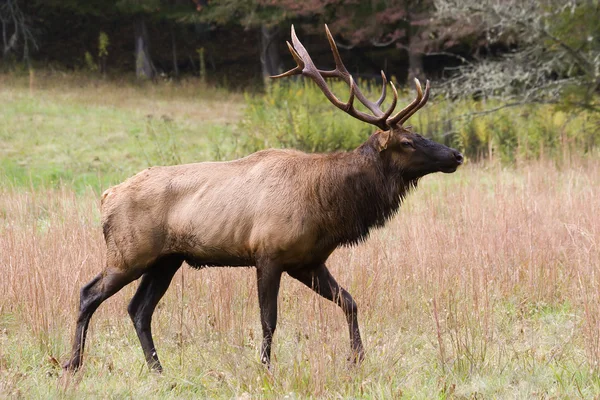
[
  {"x": 152, "y": 288},
  {"x": 91, "y": 296},
  {"x": 268, "y": 280},
  {"x": 321, "y": 281}
]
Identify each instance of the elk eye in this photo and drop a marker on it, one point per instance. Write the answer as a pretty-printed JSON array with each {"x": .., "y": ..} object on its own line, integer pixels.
[{"x": 406, "y": 143}]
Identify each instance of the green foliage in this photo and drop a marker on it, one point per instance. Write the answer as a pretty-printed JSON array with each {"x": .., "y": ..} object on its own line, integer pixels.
[
  {"x": 103, "y": 43},
  {"x": 89, "y": 62},
  {"x": 531, "y": 132},
  {"x": 243, "y": 12},
  {"x": 297, "y": 115},
  {"x": 575, "y": 30},
  {"x": 577, "y": 27}
]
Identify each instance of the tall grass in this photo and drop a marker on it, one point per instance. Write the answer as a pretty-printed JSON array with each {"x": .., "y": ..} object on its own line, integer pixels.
[{"x": 486, "y": 284}]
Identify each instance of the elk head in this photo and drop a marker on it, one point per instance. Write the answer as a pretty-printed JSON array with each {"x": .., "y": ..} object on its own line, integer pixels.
[{"x": 408, "y": 152}]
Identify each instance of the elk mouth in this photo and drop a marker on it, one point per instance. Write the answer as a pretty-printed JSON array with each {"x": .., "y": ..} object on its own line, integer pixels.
[
  {"x": 449, "y": 170},
  {"x": 452, "y": 166}
]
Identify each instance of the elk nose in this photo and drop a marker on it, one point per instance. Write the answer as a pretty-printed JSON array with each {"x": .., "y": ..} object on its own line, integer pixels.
[{"x": 458, "y": 156}]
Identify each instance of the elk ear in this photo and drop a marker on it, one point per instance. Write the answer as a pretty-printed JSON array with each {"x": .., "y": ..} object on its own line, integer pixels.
[{"x": 383, "y": 139}]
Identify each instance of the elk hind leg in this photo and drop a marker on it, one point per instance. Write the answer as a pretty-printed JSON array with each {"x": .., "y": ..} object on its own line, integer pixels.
[
  {"x": 104, "y": 285},
  {"x": 321, "y": 281},
  {"x": 268, "y": 280},
  {"x": 153, "y": 286}
]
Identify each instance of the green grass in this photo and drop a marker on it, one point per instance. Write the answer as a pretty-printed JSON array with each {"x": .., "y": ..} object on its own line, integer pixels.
[
  {"x": 530, "y": 359},
  {"x": 65, "y": 134}
]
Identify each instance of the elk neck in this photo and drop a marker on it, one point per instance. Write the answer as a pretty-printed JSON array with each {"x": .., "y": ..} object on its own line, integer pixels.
[{"x": 361, "y": 190}]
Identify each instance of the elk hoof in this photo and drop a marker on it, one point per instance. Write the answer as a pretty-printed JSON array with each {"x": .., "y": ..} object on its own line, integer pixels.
[
  {"x": 70, "y": 366},
  {"x": 357, "y": 357},
  {"x": 156, "y": 368}
]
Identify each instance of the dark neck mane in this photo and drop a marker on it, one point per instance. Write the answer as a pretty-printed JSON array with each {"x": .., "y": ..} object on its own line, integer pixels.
[{"x": 359, "y": 192}]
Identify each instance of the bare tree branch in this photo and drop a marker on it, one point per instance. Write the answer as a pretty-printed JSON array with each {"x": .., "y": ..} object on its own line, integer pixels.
[
  {"x": 436, "y": 53},
  {"x": 13, "y": 18},
  {"x": 544, "y": 65}
]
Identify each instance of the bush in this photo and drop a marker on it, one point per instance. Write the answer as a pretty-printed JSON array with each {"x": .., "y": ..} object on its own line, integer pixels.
[{"x": 296, "y": 114}]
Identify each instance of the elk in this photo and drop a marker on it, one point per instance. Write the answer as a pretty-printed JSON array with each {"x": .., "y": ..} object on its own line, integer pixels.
[{"x": 280, "y": 211}]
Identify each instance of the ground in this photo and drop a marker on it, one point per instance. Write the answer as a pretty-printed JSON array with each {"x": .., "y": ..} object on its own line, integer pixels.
[{"x": 484, "y": 286}]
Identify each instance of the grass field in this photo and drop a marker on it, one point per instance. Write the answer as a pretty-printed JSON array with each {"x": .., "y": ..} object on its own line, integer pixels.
[
  {"x": 486, "y": 285},
  {"x": 84, "y": 132}
]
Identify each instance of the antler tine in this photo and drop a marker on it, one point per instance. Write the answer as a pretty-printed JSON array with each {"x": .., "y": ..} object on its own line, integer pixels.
[
  {"x": 340, "y": 71},
  {"x": 394, "y": 101},
  {"x": 418, "y": 106},
  {"x": 383, "y": 89},
  {"x": 312, "y": 72},
  {"x": 297, "y": 70},
  {"x": 395, "y": 120},
  {"x": 350, "y": 103}
]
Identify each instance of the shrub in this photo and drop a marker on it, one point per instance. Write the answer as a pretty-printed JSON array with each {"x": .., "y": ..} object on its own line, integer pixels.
[{"x": 296, "y": 114}]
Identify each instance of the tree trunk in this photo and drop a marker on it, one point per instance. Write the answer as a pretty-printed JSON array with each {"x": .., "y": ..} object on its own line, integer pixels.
[
  {"x": 415, "y": 63},
  {"x": 143, "y": 63},
  {"x": 102, "y": 62},
  {"x": 4, "y": 38},
  {"x": 415, "y": 52},
  {"x": 174, "y": 48},
  {"x": 270, "y": 61}
]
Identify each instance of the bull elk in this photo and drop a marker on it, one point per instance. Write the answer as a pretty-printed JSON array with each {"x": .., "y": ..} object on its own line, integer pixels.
[{"x": 276, "y": 210}]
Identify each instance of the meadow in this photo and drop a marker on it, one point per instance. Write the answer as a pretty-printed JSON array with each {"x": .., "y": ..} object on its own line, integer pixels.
[{"x": 486, "y": 284}]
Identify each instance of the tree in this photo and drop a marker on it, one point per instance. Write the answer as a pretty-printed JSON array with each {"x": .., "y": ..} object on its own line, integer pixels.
[
  {"x": 144, "y": 68},
  {"x": 141, "y": 10},
  {"x": 17, "y": 29},
  {"x": 553, "y": 51},
  {"x": 404, "y": 24},
  {"x": 140, "y": 13},
  {"x": 250, "y": 14}
]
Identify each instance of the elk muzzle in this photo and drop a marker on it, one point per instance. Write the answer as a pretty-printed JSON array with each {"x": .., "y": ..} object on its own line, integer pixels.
[
  {"x": 454, "y": 160},
  {"x": 429, "y": 157}
]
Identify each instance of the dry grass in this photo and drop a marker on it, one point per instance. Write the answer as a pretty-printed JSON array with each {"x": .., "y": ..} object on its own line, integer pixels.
[{"x": 487, "y": 283}]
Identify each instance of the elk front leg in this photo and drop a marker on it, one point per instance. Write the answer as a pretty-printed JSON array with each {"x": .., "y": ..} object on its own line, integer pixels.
[
  {"x": 320, "y": 280},
  {"x": 268, "y": 280},
  {"x": 154, "y": 284}
]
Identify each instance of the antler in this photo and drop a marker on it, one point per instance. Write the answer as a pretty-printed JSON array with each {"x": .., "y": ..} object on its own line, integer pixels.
[
  {"x": 306, "y": 67},
  {"x": 380, "y": 118},
  {"x": 403, "y": 115}
]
